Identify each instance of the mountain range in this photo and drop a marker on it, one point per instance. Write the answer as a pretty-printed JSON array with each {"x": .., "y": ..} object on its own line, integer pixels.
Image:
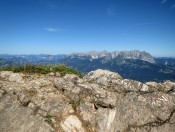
[
  {"x": 134, "y": 54},
  {"x": 135, "y": 64}
]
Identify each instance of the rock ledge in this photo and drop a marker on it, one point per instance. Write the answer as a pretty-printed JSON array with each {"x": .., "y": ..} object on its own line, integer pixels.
[{"x": 101, "y": 101}]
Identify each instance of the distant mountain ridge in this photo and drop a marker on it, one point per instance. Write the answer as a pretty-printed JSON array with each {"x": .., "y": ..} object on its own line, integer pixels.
[
  {"x": 133, "y": 54},
  {"x": 135, "y": 64}
]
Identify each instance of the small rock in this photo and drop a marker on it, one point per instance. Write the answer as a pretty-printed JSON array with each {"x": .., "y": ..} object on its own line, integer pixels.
[
  {"x": 144, "y": 88},
  {"x": 42, "y": 113},
  {"x": 40, "y": 82},
  {"x": 71, "y": 77},
  {"x": 24, "y": 98},
  {"x": 72, "y": 124},
  {"x": 169, "y": 83},
  {"x": 1, "y": 93},
  {"x": 16, "y": 77},
  {"x": 57, "y": 74},
  {"x": 102, "y": 76},
  {"x": 5, "y": 74},
  {"x": 51, "y": 74},
  {"x": 152, "y": 84}
]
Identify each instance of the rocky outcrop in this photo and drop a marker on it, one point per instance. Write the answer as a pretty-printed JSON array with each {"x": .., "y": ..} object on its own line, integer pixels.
[{"x": 101, "y": 101}]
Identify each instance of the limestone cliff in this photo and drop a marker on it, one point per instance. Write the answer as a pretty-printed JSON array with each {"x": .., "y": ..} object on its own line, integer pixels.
[{"x": 101, "y": 101}]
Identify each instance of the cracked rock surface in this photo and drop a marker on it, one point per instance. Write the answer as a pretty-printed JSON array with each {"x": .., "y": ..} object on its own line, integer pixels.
[{"x": 101, "y": 101}]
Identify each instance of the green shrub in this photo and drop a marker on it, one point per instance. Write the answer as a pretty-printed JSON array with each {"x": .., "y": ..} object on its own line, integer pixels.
[
  {"x": 74, "y": 103},
  {"x": 48, "y": 119},
  {"x": 42, "y": 69}
]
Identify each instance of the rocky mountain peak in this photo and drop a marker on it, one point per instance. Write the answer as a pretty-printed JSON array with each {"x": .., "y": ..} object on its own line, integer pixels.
[
  {"x": 133, "y": 54},
  {"x": 101, "y": 101}
]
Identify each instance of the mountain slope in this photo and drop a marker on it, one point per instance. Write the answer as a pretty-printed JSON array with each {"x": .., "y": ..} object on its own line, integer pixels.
[{"x": 129, "y": 68}]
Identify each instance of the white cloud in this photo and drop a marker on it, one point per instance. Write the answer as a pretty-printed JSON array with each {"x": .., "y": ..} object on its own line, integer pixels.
[
  {"x": 50, "y": 29},
  {"x": 110, "y": 12},
  {"x": 172, "y": 7},
  {"x": 163, "y": 1}
]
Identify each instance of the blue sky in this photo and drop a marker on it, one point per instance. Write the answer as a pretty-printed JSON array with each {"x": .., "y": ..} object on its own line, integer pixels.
[{"x": 65, "y": 26}]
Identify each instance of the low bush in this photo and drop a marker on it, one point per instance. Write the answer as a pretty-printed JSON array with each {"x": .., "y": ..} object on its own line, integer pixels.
[{"x": 42, "y": 69}]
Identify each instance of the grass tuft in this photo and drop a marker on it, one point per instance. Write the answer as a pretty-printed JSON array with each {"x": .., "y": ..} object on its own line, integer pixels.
[{"x": 42, "y": 69}]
